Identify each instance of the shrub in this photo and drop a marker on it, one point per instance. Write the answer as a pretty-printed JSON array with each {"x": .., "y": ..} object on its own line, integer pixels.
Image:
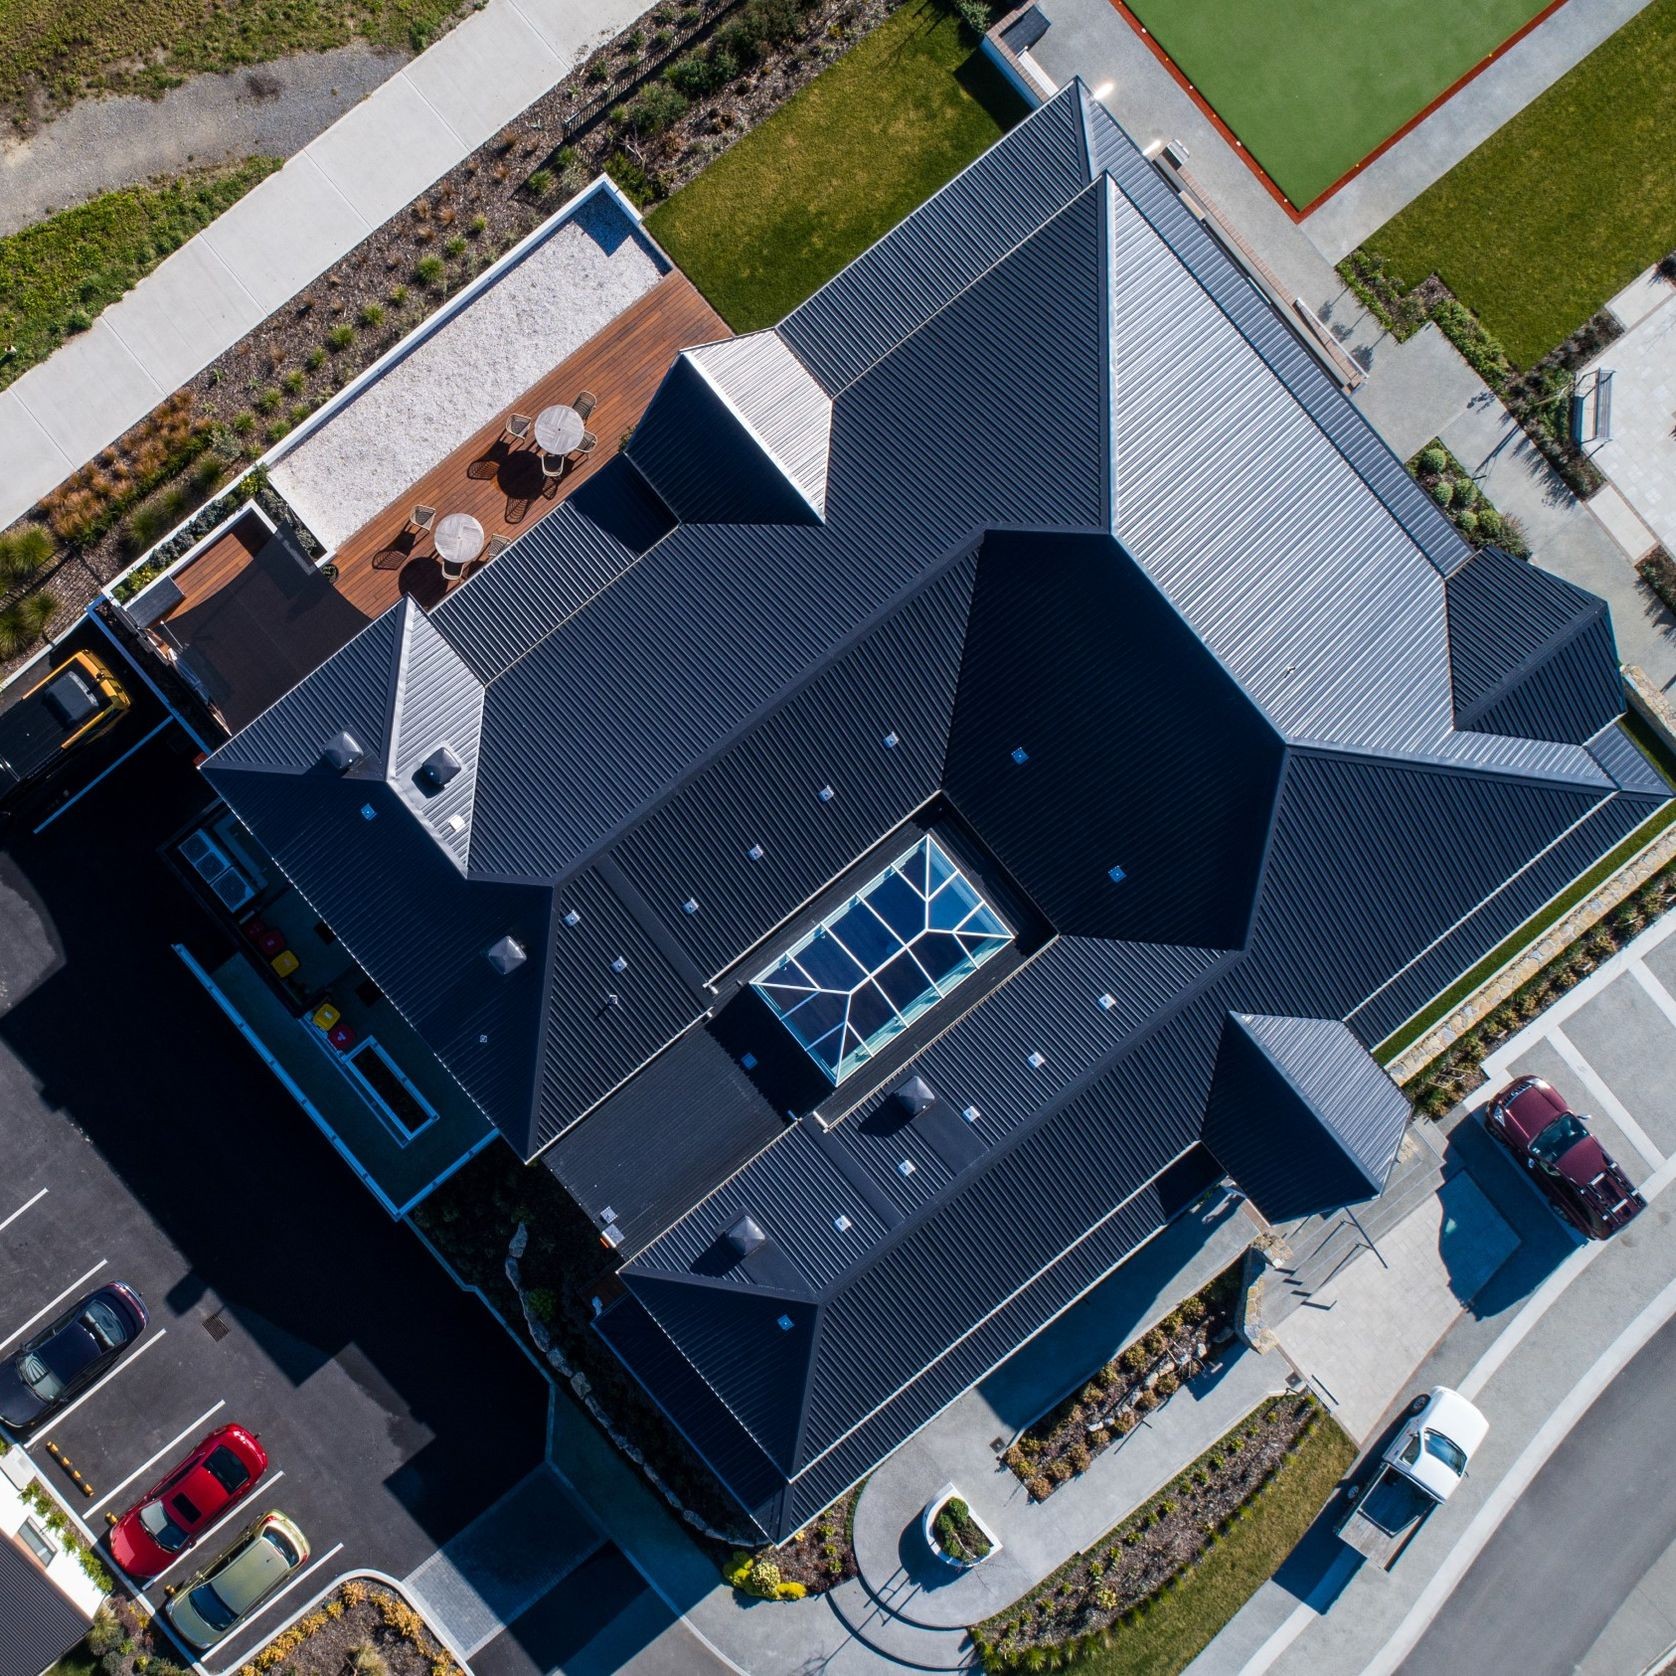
[
  {"x": 371, "y": 315},
  {"x": 1466, "y": 521},
  {"x": 1156, "y": 1342},
  {"x": 773, "y": 20},
  {"x": 1079, "y": 1457},
  {"x": 1060, "y": 1470},
  {"x": 739, "y": 40},
  {"x": 23, "y": 552},
  {"x": 340, "y": 337},
  {"x": 398, "y": 297},
  {"x": 293, "y": 381},
  {"x": 428, "y": 269},
  {"x": 637, "y": 186},
  {"x": 1443, "y": 492},
  {"x": 1126, "y": 1422},
  {"x": 974, "y": 14},
  {"x": 455, "y": 247},
  {"x": 105, "y": 1634},
  {"x": 1167, "y": 1383},
  {"x": 477, "y": 225},
  {"x": 655, "y": 111},
  {"x": 145, "y": 526},
  {"x": 366, "y": 1660},
  {"x": 315, "y": 358},
  {"x": 1040, "y": 1487},
  {"x": 540, "y": 183},
  {"x": 277, "y": 431},
  {"x": 1434, "y": 460},
  {"x": 1134, "y": 1358},
  {"x": 22, "y": 624},
  {"x": 266, "y": 401}
]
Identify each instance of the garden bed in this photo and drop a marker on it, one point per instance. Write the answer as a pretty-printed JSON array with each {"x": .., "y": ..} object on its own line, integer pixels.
[
  {"x": 1065, "y": 1441},
  {"x": 821, "y": 1555},
  {"x": 1451, "y": 485},
  {"x": 1658, "y": 572},
  {"x": 1103, "y": 1594},
  {"x": 254, "y": 394},
  {"x": 957, "y": 1535},
  {"x": 472, "y": 1219}
]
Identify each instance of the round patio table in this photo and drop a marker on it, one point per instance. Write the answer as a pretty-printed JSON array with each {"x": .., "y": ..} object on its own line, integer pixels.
[
  {"x": 559, "y": 429},
  {"x": 459, "y": 539}
]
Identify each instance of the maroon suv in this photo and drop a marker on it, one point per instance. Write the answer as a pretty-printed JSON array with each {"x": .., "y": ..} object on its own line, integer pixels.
[{"x": 1575, "y": 1171}]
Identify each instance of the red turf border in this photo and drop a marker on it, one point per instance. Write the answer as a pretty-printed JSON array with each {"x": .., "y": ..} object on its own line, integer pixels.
[{"x": 1208, "y": 111}]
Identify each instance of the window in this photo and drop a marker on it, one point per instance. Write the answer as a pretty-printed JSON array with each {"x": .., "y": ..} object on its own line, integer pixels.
[
  {"x": 38, "y": 1542},
  {"x": 896, "y": 948}
]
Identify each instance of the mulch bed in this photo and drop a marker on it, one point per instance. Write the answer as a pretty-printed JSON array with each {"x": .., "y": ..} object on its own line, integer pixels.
[
  {"x": 361, "y": 1630},
  {"x": 1450, "y": 485},
  {"x": 1139, "y": 1558},
  {"x": 472, "y": 1218},
  {"x": 822, "y": 1554},
  {"x": 1068, "y": 1439},
  {"x": 268, "y": 382}
]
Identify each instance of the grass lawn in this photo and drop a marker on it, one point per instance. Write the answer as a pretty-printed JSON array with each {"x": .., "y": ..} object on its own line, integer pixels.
[
  {"x": 57, "y": 275},
  {"x": 785, "y": 208},
  {"x": 54, "y": 51},
  {"x": 1312, "y": 86},
  {"x": 1183, "y": 1622},
  {"x": 1563, "y": 206}
]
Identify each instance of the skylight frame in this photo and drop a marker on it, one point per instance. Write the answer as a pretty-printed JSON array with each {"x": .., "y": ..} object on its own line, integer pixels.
[{"x": 868, "y": 971}]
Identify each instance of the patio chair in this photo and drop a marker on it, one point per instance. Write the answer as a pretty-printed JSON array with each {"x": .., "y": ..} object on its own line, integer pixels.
[
  {"x": 552, "y": 465},
  {"x": 517, "y": 509},
  {"x": 583, "y": 449},
  {"x": 585, "y": 404},
  {"x": 498, "y": 544},
  {"x": 519, "y": 428},
  {"x": 422, "y": 520},
  {"x": 482, "y": 470}
]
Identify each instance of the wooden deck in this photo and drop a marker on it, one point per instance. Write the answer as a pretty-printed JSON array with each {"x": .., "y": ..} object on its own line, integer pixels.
[{"x": 503, "y": 489}]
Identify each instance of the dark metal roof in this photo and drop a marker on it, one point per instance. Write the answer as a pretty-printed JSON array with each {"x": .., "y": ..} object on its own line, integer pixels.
[
  {"x": 38, "y": 1624},
  {"x": 1300, "y": 1116},
  {"x": 1112, "y": 587}
]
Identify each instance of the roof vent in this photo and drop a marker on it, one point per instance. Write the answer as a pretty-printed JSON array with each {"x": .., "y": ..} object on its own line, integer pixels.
[
  {"x": 1107, "y": 1002},
  {"x": 342, "y": 751},
  {"x": 1020, "y": 755},
  {"x": 842, "y": 1224},
  {"x": 906, "y": 1168},
  {"x": 439, "y": 768},
  {"x": 1036, "y": 1061},
  {"x": 506, "y": 955},
  {"x": 971, "y": 1114},
  {"x": 572, "y": 917},
  {"x": 892, "y": 740},
  {"x": 785, "y": 1323},
  {"x": 690, "y": 906},
  {"x": 1116, "y": 875},
  {"x": 368, "y": 813},
  {"x": 611, "y": 1235},
  {"x": 755, "y": 853},
  {"x": 745, "y": 1236},
  {"x": 456, "y": 824},
  {"x": 915, "y": 1096},
  {"x": 826, "y": 794}
]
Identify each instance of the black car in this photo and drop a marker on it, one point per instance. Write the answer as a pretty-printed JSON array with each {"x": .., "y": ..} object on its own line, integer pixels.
[{"x": 62, "y": 1360}]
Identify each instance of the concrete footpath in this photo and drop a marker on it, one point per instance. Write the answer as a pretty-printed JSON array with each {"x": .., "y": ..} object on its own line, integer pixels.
[{"x": 269, "y": 245}]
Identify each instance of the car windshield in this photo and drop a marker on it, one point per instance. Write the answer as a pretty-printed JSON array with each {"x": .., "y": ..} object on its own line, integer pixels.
[
  {"x": 105, "y": 1324},
  {"x": 40, "y": 1378},
  {"x": 227, "y": 1469},
  {"x": 286, "y": 1551},
  {"x": 1447, "y": 1451},
  {"x": 161, "y": 1528},
  {"x": 211, "y": 1607},
  {"x": 1558, "y": 1139}
]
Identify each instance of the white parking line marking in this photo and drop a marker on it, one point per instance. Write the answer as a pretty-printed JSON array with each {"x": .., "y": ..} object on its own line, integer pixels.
[
  {"x": 268, "y": 1605},
  {"x": 42, "y": 1314},
  {"x": 93, "y": 1390},
  {"x": 23, "y": 1207},
  {"x": 1643, "y": 975},
  {"x": 1604, "y": 1098},
  {"x": 147, "y": 1464},
  {"x": 265, "y": 1483}
]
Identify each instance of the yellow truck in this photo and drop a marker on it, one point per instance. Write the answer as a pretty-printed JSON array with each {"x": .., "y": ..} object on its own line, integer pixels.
[{"x": 76, "y": 701}]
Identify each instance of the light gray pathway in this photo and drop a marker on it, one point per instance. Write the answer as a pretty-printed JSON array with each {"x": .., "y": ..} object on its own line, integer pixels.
[
  {"x": 98, "y": 145},
  {"x": 1037, "y": 1537},
  {"x": 1640, "y": 455},
  {"x": 1417, "y": 388},
  {"x": 1565, "y": 536},
  {"x": 503, "y": 1561},
  {"x": 1432, "y": 148},
  {"x": 326, "y": 199}
]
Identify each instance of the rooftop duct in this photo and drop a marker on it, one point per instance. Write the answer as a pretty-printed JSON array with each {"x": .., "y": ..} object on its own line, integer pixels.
[
  {"x": 745, "y": 1236},
  {"x": 915, "y": 1096},
  {"x": 342, "y": 751},
  {"x": 506, "y": 955},
  {"x": 438, "y": 768}
]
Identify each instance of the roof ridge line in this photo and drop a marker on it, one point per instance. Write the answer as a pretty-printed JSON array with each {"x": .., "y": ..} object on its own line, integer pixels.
[{"x": 1423, "y": 760}]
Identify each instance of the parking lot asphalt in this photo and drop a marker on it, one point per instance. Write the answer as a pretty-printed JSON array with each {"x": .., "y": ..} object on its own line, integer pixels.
[{"x": 141, "y": 1140}]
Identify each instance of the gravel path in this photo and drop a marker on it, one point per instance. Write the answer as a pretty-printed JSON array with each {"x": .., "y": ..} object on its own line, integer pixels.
[{"x": 101, "y": 144}]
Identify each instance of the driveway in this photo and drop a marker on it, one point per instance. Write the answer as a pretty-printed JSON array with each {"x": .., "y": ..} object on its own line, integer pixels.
[{"x": 144, "y": 1142}]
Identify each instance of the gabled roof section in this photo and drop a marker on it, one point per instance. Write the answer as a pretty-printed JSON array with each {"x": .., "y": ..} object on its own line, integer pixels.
[
  {"x": 778, "y": 402},
  {"x": 1301, "y": 1116},
  {"x": 1530, "y": 653},
  {"x": 896, "y": 285},
  {"x": 436, "y": 715}
]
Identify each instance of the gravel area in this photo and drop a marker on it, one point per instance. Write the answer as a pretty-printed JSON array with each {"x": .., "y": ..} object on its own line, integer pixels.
[
  {"x": 101, "y": 145},
  {"x": 581, "y": 277}
]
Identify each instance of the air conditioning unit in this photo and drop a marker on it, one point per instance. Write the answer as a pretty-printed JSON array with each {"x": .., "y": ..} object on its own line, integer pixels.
[{"x": 212, "y": 864}]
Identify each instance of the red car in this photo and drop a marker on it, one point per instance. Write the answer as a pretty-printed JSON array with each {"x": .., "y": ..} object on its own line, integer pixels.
[
  {"x": 183, "y": 1504},
  {"x": 1575, "y": 1171}
]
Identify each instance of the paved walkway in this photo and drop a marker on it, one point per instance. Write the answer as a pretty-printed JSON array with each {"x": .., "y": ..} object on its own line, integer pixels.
[
  {"x": 270, "y": 244},
  {"x": 1640, "y": 456},
  {"x": 1435, "y": 146},
  {"x": 100, "y": 145}
]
